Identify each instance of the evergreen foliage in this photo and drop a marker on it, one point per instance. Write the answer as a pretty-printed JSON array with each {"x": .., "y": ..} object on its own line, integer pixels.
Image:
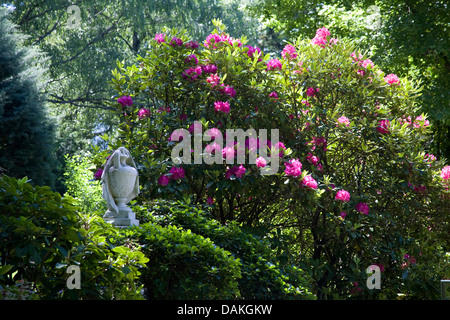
[{"x": 26, "y": 136}]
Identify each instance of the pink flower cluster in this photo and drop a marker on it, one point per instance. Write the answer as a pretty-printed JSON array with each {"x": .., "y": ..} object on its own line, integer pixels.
[
  {"x": 274, "y": 64},
  {"x": 320, "y": 39},
  {"x": 445, "y": 173},
  {"x": 176, "y": 42},
  {"x": 344, "y": 121},
  {"x": 418, "y": 123},
  {"x": 251, "y": 51},
  {"x": 175, "y": 174},
  {"x": 383, "y": 126},
  {"x": 143, "y": 113},
  {"x": 98, "y": 174},
  {"x": 222, "y": 106},
  {"x": 293, "y": 168},
  {"x": 318, "y": 142},
  {"x": 192, "y": 73},
  {"x": 238, "y": 172},
  {"x": 125, "y": 101},
  {"x": 311, "y": 92},
  {"x": 213, "y": 79},
  {"x": 363, "y": 63},
  {"x": 289, "y": 52},
  {"x": 159, "y": 37},
  {"x": 309, "y": 182},
  {"x": 363, "y": 208},
  {"x": 261, "y": 162},
  {"x": 191, "y": 58},
  {"x": 392, "y": 79},
  {"x": 343, "y": 195},
  {"x": 209, "y": 68},
  {"x": 215, "y": 39}
]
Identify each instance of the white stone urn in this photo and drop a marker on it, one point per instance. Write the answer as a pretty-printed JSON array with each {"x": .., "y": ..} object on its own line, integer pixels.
[{"x": 120, "y": 181}]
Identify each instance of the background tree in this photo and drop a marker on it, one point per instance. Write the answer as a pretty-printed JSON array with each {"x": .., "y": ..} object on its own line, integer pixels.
[
  {"x": 82, "y": 58},
  {"x": 26, "y": 136},
  {"x": 409, "y": 38}
]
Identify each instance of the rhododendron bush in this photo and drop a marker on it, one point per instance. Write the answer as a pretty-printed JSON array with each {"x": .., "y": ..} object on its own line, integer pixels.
[{"x": 355, "y": 184}]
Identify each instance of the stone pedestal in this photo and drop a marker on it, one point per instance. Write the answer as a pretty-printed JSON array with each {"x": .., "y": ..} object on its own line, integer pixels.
[{"x": 126, "y": 216}]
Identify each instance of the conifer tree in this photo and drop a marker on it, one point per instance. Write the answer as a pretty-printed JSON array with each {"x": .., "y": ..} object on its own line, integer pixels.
[{"x": 26, "y": 136}]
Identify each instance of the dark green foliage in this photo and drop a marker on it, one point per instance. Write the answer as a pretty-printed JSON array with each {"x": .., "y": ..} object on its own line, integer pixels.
[
  {"x": 26, "y": 136},
  {"x": 184, "y": 265},
  {"x": 264, "y": 269},
  {"x": 37, "y": 226}
]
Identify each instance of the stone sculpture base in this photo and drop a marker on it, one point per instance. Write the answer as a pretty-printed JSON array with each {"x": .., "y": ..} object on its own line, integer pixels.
[{"x": 125, "y": 218}]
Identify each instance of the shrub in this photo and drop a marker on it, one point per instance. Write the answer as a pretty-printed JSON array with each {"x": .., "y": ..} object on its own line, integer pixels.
[
  {"x": 356, "y": 184},
  {"x": 184, "y": 265},
  {"x": 43, "y": 233},
  {"x": 264, "y": 273}
]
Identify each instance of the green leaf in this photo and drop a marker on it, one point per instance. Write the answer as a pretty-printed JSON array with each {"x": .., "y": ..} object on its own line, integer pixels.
[{"x": 4, "y": 269}]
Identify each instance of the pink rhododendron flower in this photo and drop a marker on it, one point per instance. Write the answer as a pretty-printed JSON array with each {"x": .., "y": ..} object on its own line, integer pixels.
[
  {"x": 343, "y": 214},
  {"x": 320, "y": 38},
  {"x": 143, "y": 113},
  {"x": 192, "y": 73},
  {"x": 430, "y": 157},
  {"x": 279, "y": 146},
  {"x": 125, "y": 101},
  {"x": 273, "y": 94},
  {"x": 261, "y": 162},
  {"x": 213, "y": 147},
  {"x": 343, "y": 120},
  {"x": 228, "y": 152},
  {"x": 176, "y": 42},
  {"x": 212, "y": 40},
  {"x": 322, "y": 32},
  {"x": 213, "y": 79},
  {"x": 309, "y": 181},
  {"x": 209, "y": 68},
  {"x": 319, "y": 142},
  {"x": 229, "y": 90},
  {"x": 383, "y": 126},
  {"x": 363, "y": 208},
  {"x": 445, "y": 173},
  {"x": 192, "y": 58},
  {"x": 251, "y": 51},
  {"x": 210, "y": 201},
  {"x": 191, "y": 44},
  {"x": 238, "y": 172},
  {"x": 293, "y": 168},
  {"x": 343, "y": 195},
  {"x": 222, "y": 106},
  {"x": 213, "y": 133},
  {"x": 391, "y": 78},
  {"x": 289, "y": 52},
  {"x": 367, "y": 63},
  {"x": 355, "y": 57},
  {"x": 274, "y": 64},
  {"x": 311, "y": 92},
  {"x": 419, "y": 120},
  {"x": 98, "y": 174},
  {"x": 177, "y": 173},
  {"x": 159, "y": 37},
  {"x": 312, "y": 159},
  {"x": 163, "y": 180}
]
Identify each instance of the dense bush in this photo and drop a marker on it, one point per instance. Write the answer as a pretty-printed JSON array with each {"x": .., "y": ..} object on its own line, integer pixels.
[
  {"x": 265, "y": 273},
  {"x": 43, "y": 233},
  {"x": 356, "y": 185}
]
